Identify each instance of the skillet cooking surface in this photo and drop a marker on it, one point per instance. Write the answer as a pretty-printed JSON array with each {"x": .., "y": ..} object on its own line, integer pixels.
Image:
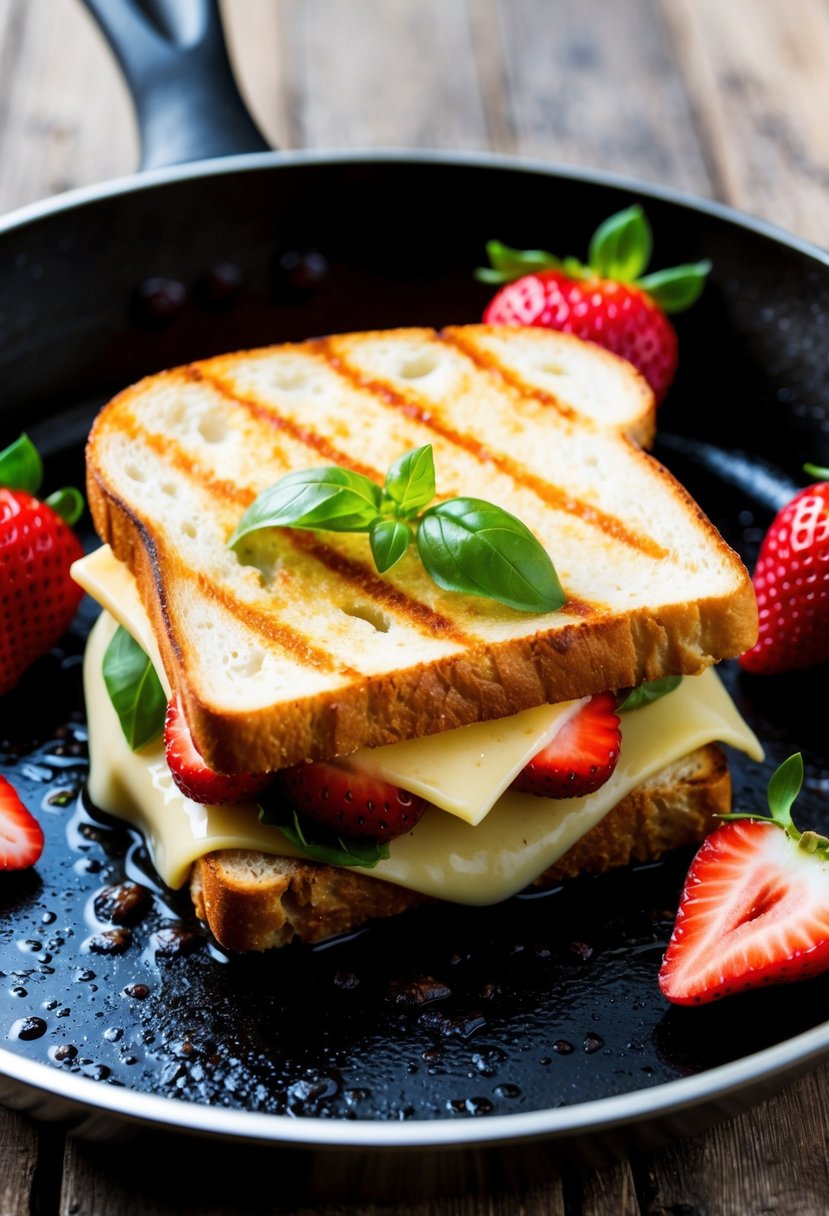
[{"x": 538, "y": 1003}]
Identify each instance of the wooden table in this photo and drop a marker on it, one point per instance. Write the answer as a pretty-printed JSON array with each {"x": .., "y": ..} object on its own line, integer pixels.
[{"x": 723, "y": 98}]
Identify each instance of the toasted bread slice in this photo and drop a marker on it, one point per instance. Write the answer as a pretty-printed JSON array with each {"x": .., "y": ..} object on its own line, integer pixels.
[
  {"x": 305, "y": 652},
  {"x": 253, "y": 901}
]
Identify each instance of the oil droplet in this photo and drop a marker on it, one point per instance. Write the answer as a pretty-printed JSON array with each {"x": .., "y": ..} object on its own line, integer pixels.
[
  {"x": 28, "y": 1029},
  {"x": 62, "y": 1053},
  {"x": 507, "y": 1091},
  {"x": 138, "y": 992}
]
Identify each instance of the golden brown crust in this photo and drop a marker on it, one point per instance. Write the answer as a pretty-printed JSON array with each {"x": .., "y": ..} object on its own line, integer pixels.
[
  {"x": 292, "y": 899},
  {"x": 253, "y": 902}
]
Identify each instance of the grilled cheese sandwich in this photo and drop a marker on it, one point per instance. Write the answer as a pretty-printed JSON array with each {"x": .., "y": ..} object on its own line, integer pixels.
[{"x": 300, "y": 650}]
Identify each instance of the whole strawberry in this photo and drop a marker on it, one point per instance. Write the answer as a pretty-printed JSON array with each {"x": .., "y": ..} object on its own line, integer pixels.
[
  {"x": 38, "y": 599},
  {"x": 792, "y": 585},
  {"x": 609, "y": 300}
]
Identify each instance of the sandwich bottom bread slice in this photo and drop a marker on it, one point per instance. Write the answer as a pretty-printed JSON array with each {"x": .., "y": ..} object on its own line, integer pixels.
[{"x": 255, "y": 901}]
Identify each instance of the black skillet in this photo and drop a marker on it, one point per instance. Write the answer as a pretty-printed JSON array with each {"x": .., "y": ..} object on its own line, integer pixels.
[{"x": 538, "y": 1020}]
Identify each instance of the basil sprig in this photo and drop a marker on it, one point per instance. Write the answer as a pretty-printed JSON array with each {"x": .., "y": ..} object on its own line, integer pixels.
[
  {"x": 465, "y": 544},
  {"x": 134, "y": 690},
  {"x": 646, "y": 693},
  {"x": 326, "y": 847}
]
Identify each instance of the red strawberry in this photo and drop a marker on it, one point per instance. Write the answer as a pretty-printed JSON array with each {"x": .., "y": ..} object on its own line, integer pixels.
[
  {"x": 21, "y": 837},
  {"x": 38, "y": 599},
  {"x": 582, "y": 755},
  {"x": 755, "y": 908},
  {"x": 350, "y": 804},
  {"x": 609, "y": 301},
  {"x": 792, "y": 585},
  {"x": 192, "y": 775}
]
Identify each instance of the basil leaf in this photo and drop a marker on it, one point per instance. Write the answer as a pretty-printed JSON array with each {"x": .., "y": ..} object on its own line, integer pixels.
[
  {"x": 134, "y": 690},
  {"x": 331, "y": 849},
  {"x": 676, "y": 289},
  {"x": 389, "y": 539},
  {"x": 509, "y": 264},
  {"x": 620, "y": 248},
  {"x": 67, "y": 503},
  {"x": 646, "y": 693},
  {"x": 330, "y": 499},
  {"x": 473, "y": 546},
  {"x": 410, "y": 481},
  {"x": 20, "y": 466}
]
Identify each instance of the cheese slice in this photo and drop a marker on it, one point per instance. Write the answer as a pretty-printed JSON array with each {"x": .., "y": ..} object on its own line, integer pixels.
[{"x": 443, "y": 856}]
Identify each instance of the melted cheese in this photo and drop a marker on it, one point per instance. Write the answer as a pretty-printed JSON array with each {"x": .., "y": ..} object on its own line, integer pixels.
[{"x": 443, "y": 856}]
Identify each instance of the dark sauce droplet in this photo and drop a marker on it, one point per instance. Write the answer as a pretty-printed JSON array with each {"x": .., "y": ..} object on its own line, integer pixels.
[
  {"x": 125, "y": 903},
  {"x": 138, "y": 992},
  {"x": 299, "y": 273},
  {"x": 217, "y": 289},
  {"x": 28, "y": 1029},
  {"x": 158, "y": 301}
]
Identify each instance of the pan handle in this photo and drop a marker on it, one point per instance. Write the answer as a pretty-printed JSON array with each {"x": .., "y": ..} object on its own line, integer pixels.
[{"x": 174, "y": 58}]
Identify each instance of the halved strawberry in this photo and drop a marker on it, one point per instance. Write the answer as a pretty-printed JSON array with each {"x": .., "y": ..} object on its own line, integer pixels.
[
  {"x": 755, "y": 908},
  {"x": 582, "y": 755},
  {"x": 21, "y": 836},
  {"x": 350, "y": 804},
  {"x": 192, "y": 775}
]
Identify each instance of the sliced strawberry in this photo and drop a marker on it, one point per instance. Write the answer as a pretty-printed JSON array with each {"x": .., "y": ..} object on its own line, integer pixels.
[
  {"x": 21, "y": 836},
  {"x": 582, "y": 755},
  {"x": 350, "y": 804},
  {"x": 192, "y": 775},
  {"x": 755, "y": 908}
]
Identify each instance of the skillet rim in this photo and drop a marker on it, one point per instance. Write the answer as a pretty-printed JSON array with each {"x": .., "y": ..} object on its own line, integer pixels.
[
  {"x": 618, "y": 1111},
  {"x": 38, "y": 1083},
  {"x": 246, "y": 162}
]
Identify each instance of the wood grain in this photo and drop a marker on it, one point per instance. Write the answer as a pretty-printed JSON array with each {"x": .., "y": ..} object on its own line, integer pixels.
[
  {"x": 382, "y": 74},
  {"x": 757, "y": 80},
  {"x": 65, "y": 119},
  {"x": 772, "y": 1159},
  {"x": 595, "y": 84},
  {"x": 18, "y": 1163},
  {"x": 720, "y": 98},
  {"x": 608, "y": 1190}
]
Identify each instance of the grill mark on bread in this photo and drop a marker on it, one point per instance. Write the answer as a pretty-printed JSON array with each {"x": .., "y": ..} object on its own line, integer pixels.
[
  {"x": 490, "y": 365},
  {"x": 269, "y": 414},
  {"x": 426, "y": 413},
  {"x": 430, "y": 621},
  {"x": 358, "y": 575},
  {"x": 289, "y": 640},
  {"x": 265, "y": 625}
]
